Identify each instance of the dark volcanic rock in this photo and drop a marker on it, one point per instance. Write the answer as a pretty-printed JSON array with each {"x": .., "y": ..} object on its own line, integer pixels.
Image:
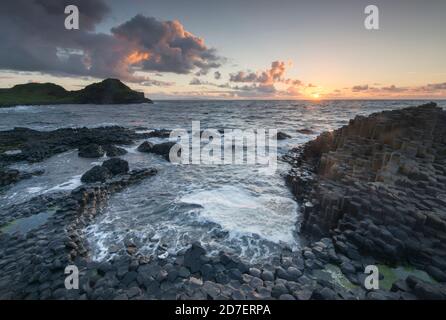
[
  {"x": 39, "y": 145},
  {"x": 377, "y": 187},
  {"x": 161, "y": 133},
  {"x": 91, "y": 151},
  {"x": 10, "y": 176},
  {"x": 146, "y": 146},
  {"x": 96, "y": 174},
  {"x": 116, "y": 166},
  {"x": 193, "y": 257},
  {"x": 282, "y": 136},
  {"x": 113, "y": 151},
  {"x": 162, "y": 149},
  {"x": 305, "y": 131}
]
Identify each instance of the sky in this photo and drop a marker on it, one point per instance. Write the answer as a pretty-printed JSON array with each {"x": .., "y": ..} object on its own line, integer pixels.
[{"x": 245, "y": 49}]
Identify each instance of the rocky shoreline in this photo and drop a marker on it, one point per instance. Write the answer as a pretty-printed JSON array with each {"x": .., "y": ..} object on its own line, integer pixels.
[
  {"x": 330, "y": 266},
  {"x": 377, "y": 188}
]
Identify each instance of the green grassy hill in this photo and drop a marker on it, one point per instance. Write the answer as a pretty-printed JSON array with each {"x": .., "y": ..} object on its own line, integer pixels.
[{"x": 109, "y": 91}]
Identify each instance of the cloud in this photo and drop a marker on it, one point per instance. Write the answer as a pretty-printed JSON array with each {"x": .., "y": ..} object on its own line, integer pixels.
[
  {"x": 274, "y": 74},
  {"x": 33, "y": 38},
  {"x": 217, "y": 75},
  {"x": 169, "y": 47},
  {"x": 393, "y": 90},
  {"x": 263, "y": 83},
  {"x": 435, "y": 86},
  {"x": 360, "y": 88},
  {"x": 197, "y": 82}
]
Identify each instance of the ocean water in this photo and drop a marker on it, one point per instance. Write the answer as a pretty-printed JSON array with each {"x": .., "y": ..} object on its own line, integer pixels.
[{"x": 236, "y": 208}]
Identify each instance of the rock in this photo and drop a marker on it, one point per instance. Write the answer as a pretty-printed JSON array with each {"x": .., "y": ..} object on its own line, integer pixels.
[
  {"x": 267, "y": 275},
  {"x": 235, "y": 274},
  {"x": 293, "y": 274},
  {"x": 304, "y": 293},
  {"x": 10, "y": 176},
  {"x": 113, "y": 151},
  {"x": 162, "y": 133},
  {"x": 375, "y": 187},
  {"x": 192, "y": 257},
  {"x": 254, "y": 272},
  {"x": 282, "y": 136},
  {"x": 146, "y": 146},
  {"x": 91, "y": 151},
  {"x": 305, "y": 131},
  {"x": 163, "y": 149},
  {"x": 324, "y": 294},
  {"x": 211, "y": 289},
  {"x": 116, "y": 166},
  {"x": 347, "y": 268},
  {"x": 427, "y": 291},
  {"x": 286, "y": 297},
  {"x": 256, "y": 282},
  {"x": 96, "y": 174},
  {"x": 133, "y": 292},
  {"x": 183, "y": 272},
  {"x": 278, "y": 290},
  {"x": 238, "y": 295},
  {"x": 207, "y": 271}
]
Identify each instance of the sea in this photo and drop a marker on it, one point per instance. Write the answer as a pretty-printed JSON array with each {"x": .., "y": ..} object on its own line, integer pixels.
[{"x": 236, "y": 208}]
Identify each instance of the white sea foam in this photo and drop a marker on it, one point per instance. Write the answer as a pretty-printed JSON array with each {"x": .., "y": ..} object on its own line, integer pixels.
[
  {"x": 30, "y": 109},
  {"x": 34, "y": 189},
  {"x": 71, "y": 184},
  {"x": 239, "y": 212}
]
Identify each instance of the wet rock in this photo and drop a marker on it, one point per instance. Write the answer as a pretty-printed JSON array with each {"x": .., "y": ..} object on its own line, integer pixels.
[
  {"x": 91, "y": 151},
  {"x": 96, "y": 174},
  {"x": 303, "y": 293},
  {"x": 160, "y": 133},
  {"x": 255, "y": 272},
  {"x": 192, "y": 257},
  {"x": 183, "y": 272},
  {"x": 207, "y": 271},
  {"x": 267, "y": 275},
  {"x": 278, "y": 290},
  {"x": 146, "y": 146},
  {"x": 286, "y": 297},
  {"x": 10, "y": 176},
  {"x": 114, "y": 151},
  {"x": 282, "y": 135},
  {"x": 365, "y": 186},
  {"x": 163, "y": 149},
  {"x": 324, "y": 294},
  {"x": 256, "y": 282},
  {"x": 116, "y": 166},
  {"x": 425, "y": 291},
  {"x": 305, "y": 131}
]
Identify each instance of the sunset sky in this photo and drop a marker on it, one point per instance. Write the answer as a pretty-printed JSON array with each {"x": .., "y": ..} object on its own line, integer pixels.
[{"x": 245, "y": 49}]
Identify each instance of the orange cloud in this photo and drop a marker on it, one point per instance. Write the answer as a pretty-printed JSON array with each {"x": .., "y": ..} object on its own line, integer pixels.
[{"x": 137, "y": 57}]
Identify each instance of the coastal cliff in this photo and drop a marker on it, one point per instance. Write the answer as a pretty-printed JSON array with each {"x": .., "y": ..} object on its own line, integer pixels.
[
  {"x": 109, "y": 91},
  {"x": 377, "y": 187}
]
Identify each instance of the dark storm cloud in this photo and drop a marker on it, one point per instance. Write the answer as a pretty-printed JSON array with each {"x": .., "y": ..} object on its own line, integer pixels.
[
  {"x": 34, "y": 38},
  {"x": 170, "y": 46}
]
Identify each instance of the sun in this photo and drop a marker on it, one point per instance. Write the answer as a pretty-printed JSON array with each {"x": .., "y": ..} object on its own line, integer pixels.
[{"x": 315, "y": 96}]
